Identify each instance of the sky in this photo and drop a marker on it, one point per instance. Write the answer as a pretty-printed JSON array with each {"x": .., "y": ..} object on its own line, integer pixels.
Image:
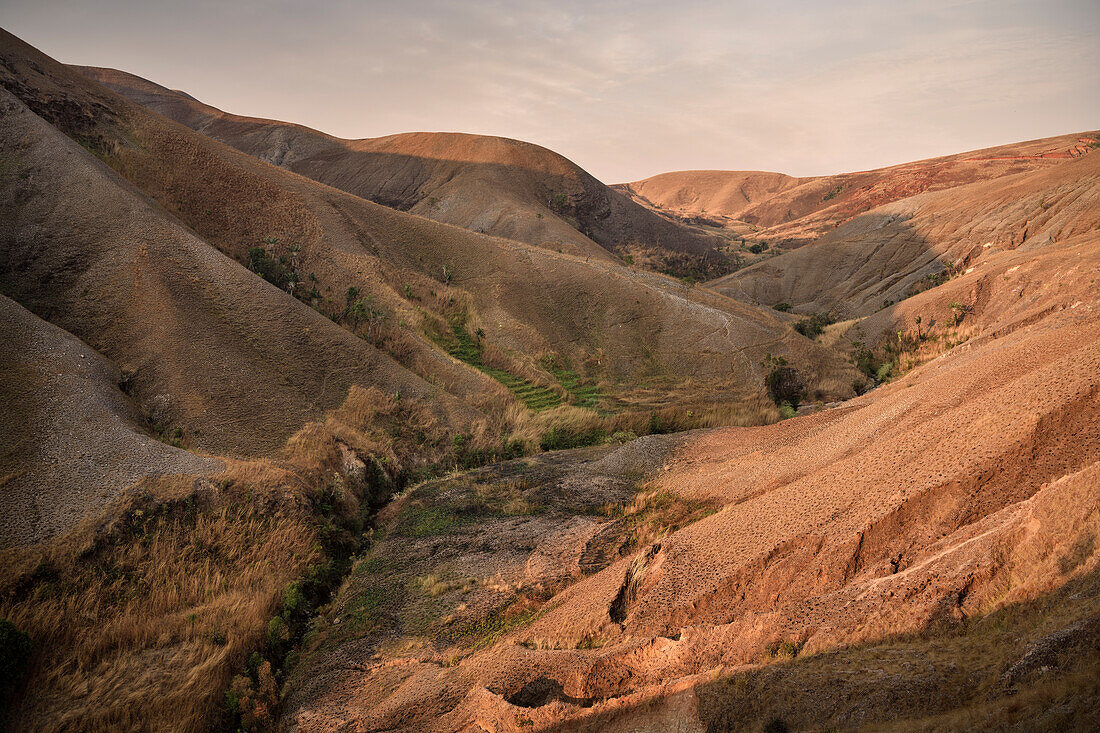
[{"x": 624, "y": 89}]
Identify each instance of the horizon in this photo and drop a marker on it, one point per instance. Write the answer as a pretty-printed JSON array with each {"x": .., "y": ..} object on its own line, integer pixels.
[{"x": 626, "y": 98}]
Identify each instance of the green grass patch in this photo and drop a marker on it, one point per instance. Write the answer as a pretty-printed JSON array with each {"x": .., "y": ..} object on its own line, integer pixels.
[
  {"x": 584, "y": 393},
  {"x": 485, "y": 631},
  {"x": 419, "y": 521},
  {"x": 464, "y": 347}
]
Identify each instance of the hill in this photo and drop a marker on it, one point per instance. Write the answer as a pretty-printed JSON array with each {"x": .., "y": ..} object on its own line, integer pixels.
[
  {"x": 787, "y": 212},
  {"x": 903, "y": 559},
  {"x": 498, "y": 186},
  {"x": 900, "y": 248}
]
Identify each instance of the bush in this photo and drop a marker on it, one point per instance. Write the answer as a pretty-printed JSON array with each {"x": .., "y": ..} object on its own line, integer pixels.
[
  {"x": 758, "y": 247},
  {"x": 279, "y": 272},
  {"x": 784, "y": 383},
  {"x": 786, "y": 410},
  {"x": 782, "y": 307},
  {"x": 557, "y": 438},
  {"x": 775, "y": 725},
  {"x": 814, "y": 326},
  {"x": 884, "y": 371}
]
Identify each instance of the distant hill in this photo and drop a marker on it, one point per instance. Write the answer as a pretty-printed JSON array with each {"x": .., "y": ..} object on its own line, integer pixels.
[{"x": 494, "y": 185}]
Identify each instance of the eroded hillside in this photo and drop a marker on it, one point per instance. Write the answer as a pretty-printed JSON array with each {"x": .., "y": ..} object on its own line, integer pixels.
[{"x": 503, "y": 187}]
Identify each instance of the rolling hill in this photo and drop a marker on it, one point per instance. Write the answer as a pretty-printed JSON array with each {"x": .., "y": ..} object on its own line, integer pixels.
[
  {"x": 503, "y": 187},
  {"x": 788, "y": 211}
]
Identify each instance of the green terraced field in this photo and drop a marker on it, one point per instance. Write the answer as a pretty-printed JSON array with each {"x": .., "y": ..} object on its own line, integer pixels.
[
  {"x": 465, "y": 348},
  {"x": 585, "y": 394}
]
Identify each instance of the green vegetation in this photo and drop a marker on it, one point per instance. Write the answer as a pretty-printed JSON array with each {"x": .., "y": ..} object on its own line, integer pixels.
[
  {"x": 464, "y": 347},
  {"x": 785, "y": 385},
  {"x": 559, "y": 202},
  {"x": 518, "y": 612},
  {"x": 279, "y": 271},
  {"x": 758, "y": 248},
  {"x": 960, "y": 311},
  {"x": 833, "y": 193},
  {"x": 583, "y": 393},
  {"x": 426, "y": 521},
  {"x": 782, "y": 307},
  {"x": 562, "y": 438},
  {"x": 814, "y": 326}
]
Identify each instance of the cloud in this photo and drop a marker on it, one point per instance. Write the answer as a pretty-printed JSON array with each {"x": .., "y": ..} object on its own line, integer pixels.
[{"x": 626, "y": 89}]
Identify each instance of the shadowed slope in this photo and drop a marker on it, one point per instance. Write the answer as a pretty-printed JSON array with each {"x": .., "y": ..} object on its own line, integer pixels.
[
  {"x": 207, "y": 346},
  {"x": 900, "y": 248},
  {"x": 791, "y": 211},
  {"x": 610, "y": 323},
  {"x": 495, "y": 185},
  {"x": 70, "y": 441}
]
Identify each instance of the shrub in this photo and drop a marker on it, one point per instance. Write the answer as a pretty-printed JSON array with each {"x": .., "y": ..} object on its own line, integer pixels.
[
  {"x": 783, "y": 382},
  {"x": 279, "y": 272},
  {"x": 782, "y": 307},
  {"x": 814, "y": 326},
  {"x": 884, "y": 371},
  {"x": 560, "y": 438},
  {"x": 277, "y": 632},
  {"x": 960, "y": 311},
  {"x": 758, "y": 247},
  {"x": 786, "y": 410},
  {"x": 623, "y": 436},
  {"x": 775, "y": 725},
  {"x": 293, "y": 598},
  {"x": 254, "y": 698}
]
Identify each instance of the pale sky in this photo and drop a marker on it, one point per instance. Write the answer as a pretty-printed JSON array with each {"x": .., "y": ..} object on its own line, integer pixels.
[{"x": 624, "y": 89}]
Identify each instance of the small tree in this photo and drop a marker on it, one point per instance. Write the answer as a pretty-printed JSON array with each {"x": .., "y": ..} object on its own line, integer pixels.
[
  {"x": 960, "y": 311},
  {"x": 783, "y": 382}
]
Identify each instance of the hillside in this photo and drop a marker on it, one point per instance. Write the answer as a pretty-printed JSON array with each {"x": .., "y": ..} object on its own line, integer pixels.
[
  {"x": 874, "y": 547},
  {"x": 787, "y": 212},
  {"x": 507, "y": 188},
  {"x": 900, "y": 248},
  {"x": 427, "y": 288}
]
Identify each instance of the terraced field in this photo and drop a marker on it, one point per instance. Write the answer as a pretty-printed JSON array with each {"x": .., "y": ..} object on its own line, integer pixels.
[
  {"x": 584, "y": 393},
  {"x": 465, "y": 347}
]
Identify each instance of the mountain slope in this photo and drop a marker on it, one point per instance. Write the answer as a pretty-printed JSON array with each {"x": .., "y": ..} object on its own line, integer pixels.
[
  {"x": 791, "y": 211},
  {"x": 503, "y": 187},
  {"x": 893, "y": 251},
  {"x": 208, "y": 346},
  {"x": 959, "y": 493},
  {"x": 608, "y": 323},
  {"x": 70, "y": 441}
]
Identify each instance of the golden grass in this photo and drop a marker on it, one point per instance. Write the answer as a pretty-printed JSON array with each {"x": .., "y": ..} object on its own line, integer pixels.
[{"x": 139, "y": 619}]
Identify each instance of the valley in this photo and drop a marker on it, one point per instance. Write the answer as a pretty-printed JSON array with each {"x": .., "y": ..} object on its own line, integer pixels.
[{"x": 438, "y": 432}]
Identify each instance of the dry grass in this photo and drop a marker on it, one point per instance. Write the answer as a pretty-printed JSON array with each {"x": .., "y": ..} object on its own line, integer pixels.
[
  {"x": 139, "y": 620},
  {"x": 141, "y": 616}
]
